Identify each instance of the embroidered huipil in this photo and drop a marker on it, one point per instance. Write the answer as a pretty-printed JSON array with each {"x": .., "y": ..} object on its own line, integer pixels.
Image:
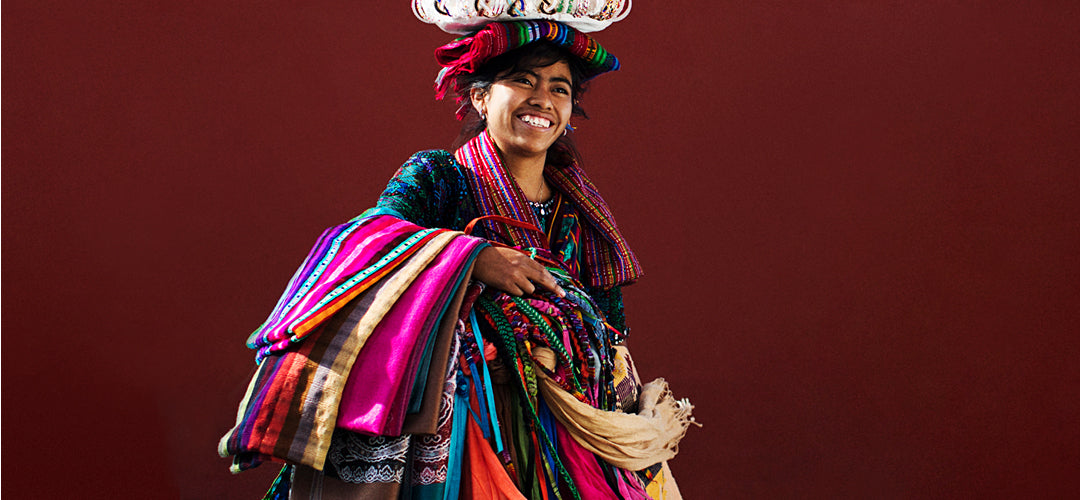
[{"x": 432, "y": 190}]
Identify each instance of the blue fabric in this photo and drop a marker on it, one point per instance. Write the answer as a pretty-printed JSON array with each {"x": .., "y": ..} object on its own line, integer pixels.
[
  {"x": 457, "y": 440},
  {"x": 490, "y": 395}
]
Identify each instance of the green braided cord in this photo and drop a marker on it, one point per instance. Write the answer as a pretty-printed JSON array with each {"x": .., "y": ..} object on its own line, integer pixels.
[
  {"x": 508, "y": 344},
  {"x": 554, "y": 455},
  {"x": 583, "y": 368},
  {"x": 524, "y": 357},
  {"x": 527, "y": 369},
  {"x": 558, "y": 344},
  {"x": 519, "y": 354},
  {"x": 572, "y": 286},
  {"x": 538, "y": 319},
  {"x": 553, "y": 340},
  {"x": 506, "y": 332},
  {"x": 522, "y": 440}
]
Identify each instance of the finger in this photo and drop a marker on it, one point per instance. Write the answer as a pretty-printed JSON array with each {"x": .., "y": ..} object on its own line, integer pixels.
[
  {"x": 527, "y": 287},
  {"x": 555, "y": 285},
  {"x": 512, "y": 289},
  {"x": 547, "y": 281}
]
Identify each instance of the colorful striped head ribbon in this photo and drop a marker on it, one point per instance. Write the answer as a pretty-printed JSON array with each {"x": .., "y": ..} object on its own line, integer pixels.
[{"x": 468, "y": 54}]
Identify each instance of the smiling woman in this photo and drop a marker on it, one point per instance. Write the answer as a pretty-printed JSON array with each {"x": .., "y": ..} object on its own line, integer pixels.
[{"x": 463, "y": 338}]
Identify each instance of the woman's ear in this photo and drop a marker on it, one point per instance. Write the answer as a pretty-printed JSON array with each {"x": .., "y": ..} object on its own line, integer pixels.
[{"x": 477, "y": 96}]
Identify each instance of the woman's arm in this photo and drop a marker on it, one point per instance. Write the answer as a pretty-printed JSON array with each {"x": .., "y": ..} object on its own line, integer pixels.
[{"x": 428, "y": 190}]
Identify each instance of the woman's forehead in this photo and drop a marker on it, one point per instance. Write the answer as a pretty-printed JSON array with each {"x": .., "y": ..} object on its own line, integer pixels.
[{"x": 559, "y": 69}]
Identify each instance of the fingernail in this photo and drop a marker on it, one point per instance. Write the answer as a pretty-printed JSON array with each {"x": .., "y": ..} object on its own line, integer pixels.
[{"x": 560, "y": 291}]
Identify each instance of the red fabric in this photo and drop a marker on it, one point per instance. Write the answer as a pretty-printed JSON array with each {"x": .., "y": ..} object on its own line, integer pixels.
[{"x": 484, "y": 477}]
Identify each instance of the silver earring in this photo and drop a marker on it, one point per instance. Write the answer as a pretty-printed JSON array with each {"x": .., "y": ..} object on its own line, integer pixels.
[{"x": 483, "y": 116}]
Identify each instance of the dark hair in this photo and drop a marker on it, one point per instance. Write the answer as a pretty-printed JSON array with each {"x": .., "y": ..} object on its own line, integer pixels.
[{"x": 533, "y": 55}]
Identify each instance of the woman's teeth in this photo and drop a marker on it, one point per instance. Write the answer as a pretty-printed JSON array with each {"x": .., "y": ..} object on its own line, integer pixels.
[{"x": 536, "y": 121}]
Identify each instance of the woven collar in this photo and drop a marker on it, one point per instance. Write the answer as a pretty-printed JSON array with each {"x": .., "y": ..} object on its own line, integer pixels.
[{"x": 606, "y": 253}]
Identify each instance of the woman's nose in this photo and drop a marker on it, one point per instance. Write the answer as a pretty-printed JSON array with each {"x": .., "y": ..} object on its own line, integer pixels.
[{"x": 540, "y": 97}]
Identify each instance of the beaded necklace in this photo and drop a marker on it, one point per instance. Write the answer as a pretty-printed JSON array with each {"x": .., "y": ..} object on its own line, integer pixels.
[{"x": 543, "y": 210}]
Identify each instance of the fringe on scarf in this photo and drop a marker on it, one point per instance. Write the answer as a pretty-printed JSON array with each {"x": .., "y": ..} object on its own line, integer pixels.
[{"x": 629, "y": 441}]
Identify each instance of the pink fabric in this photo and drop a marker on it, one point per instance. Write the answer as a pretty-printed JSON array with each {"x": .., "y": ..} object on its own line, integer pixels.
[
  {"x": 356, "y": 254},
  {"x": 376, "y": 394},
  {"x": 583, "y": 468},
  {"x": 630, "y": 486}
]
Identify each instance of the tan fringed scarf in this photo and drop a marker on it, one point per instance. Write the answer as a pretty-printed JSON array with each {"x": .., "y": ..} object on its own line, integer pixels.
[{"x": 629, "y": 441}]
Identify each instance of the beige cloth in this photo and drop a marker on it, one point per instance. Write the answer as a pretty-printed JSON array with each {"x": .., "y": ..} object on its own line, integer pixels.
[{"x": 629, "y": 441}]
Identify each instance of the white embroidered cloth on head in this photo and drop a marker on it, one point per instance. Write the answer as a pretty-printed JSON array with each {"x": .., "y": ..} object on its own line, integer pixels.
[{"x": 463, "y": 17}]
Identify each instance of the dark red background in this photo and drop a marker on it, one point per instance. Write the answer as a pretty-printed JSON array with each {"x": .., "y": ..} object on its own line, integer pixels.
[{"x": 860, "y": 223}]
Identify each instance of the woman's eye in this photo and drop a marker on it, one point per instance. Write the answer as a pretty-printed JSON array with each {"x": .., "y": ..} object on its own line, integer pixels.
[
  {"x": 524, "y": 80},
  {"x": 561, "y": 90}
]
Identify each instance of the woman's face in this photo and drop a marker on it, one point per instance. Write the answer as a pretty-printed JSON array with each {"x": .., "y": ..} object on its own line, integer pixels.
[{"x": 528, "y": 110}]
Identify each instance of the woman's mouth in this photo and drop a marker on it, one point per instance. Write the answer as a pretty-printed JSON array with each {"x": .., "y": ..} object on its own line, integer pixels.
[{"x": 535, "y": 121}]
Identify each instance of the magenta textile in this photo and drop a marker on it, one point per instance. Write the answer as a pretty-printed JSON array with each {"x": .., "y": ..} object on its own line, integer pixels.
[
  {"x": 583, "y": 468},
  {"x": 376, "y": 394},
  {"x": 347, "y": 257},
  {"x": 630, "y": 486}
]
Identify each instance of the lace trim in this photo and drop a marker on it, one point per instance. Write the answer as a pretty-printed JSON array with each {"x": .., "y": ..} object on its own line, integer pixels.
[{"x": 372, "y": 474}]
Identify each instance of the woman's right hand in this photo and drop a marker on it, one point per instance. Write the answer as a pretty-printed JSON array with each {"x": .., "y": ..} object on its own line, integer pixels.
[{"x": 513, "y": 272}]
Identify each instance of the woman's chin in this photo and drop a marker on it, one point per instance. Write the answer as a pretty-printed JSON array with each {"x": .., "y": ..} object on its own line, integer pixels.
[{"x": 526, "y": 146}]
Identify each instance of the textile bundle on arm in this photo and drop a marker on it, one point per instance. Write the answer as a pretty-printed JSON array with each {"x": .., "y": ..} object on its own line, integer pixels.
[
  {"x": 382, "y": 364},
  {"x": 336, "y": 302}
]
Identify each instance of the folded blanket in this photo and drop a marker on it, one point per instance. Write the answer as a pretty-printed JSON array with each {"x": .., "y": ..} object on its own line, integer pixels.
[{"x": 308, "y": 346}]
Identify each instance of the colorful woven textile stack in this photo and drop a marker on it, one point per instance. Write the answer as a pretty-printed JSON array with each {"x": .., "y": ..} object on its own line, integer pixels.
[
  {"x": 377, "y": 325},
  {"x": 344, "y": 296}
]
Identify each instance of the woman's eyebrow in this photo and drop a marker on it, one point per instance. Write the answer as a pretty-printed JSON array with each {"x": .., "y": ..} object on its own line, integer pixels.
[
  {"x": 523, "y": 72},
  {"x": 537, "y": 76}
]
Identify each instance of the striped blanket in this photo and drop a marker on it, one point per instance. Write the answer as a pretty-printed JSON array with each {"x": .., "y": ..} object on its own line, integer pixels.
[{"x": 333, "y": 305}]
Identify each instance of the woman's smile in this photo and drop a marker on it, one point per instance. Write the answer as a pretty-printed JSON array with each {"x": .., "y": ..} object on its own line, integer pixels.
[{"x": 536, "y": 121}]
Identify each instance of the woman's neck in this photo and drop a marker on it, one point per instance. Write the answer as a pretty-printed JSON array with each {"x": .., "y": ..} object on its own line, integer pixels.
[{"x": 528, "y": 172}]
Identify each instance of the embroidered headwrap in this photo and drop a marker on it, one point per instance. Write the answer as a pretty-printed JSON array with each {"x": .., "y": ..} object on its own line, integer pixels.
[{"x": 466, "y": 55}]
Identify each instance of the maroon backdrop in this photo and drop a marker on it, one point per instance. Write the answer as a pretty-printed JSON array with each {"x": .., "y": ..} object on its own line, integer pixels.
[{"x": 860, "y": 223}]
